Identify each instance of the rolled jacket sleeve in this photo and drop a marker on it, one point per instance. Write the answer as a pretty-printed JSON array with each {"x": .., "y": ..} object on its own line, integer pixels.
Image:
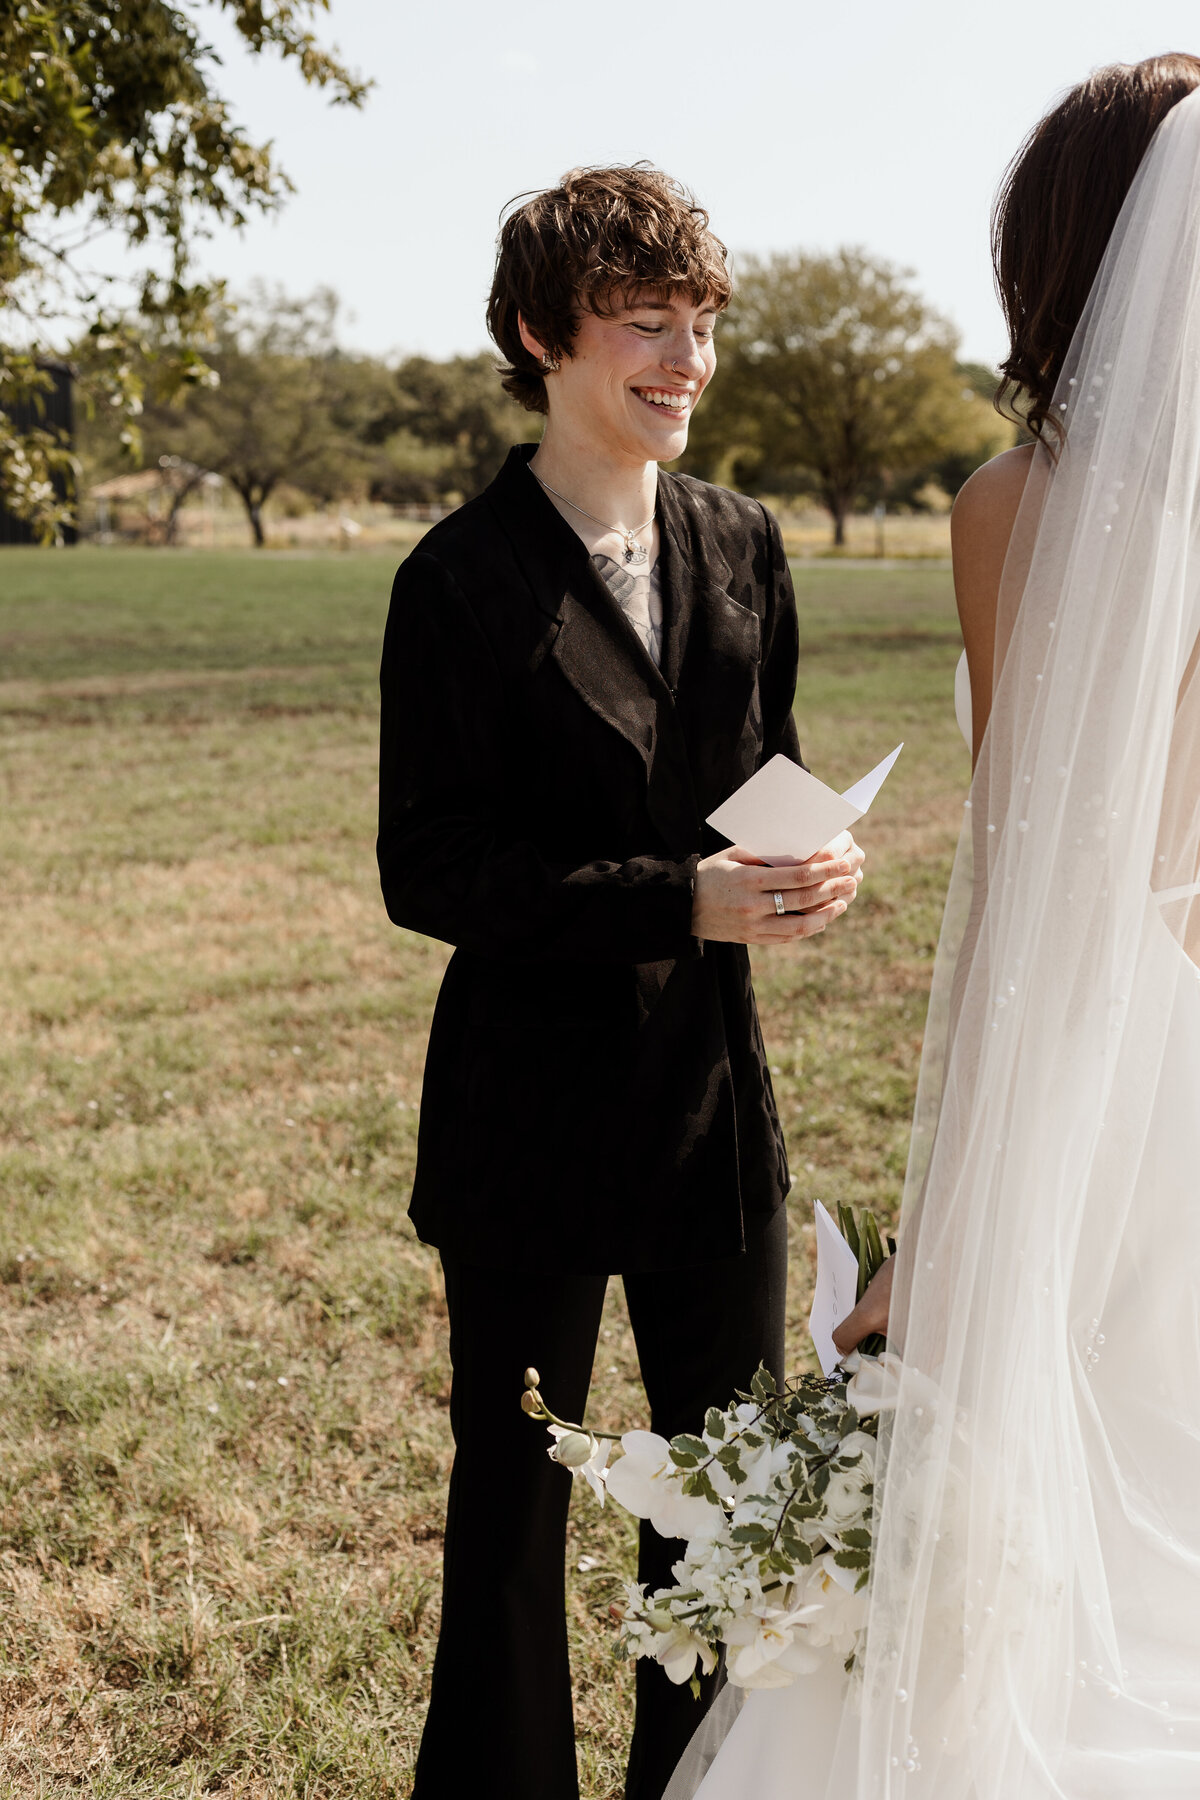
[{"x": 452, "y": 864}]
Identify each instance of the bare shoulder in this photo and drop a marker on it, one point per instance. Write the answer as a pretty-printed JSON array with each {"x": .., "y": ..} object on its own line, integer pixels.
[
  {"x": 985, "y": 508},
  {"x": 981, "y": 525}
]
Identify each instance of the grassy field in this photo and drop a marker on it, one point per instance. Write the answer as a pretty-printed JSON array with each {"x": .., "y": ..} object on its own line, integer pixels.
[{"x": 223, "y": 1438}]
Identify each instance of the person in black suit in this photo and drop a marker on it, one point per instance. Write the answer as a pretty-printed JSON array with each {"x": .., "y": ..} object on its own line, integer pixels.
[{"x": 579, "y": 665}]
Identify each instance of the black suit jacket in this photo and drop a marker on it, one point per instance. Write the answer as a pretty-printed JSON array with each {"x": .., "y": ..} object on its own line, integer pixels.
[{"x": 596, "y": 1095}]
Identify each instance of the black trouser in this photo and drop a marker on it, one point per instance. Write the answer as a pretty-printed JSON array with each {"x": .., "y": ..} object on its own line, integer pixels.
[{"x": 500, "y": 1722}]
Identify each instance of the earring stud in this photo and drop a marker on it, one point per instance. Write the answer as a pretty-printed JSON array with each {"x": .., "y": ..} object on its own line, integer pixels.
[{"x": 550, "y": 365}]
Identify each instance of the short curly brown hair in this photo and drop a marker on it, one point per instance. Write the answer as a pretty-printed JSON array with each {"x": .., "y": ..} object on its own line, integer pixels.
[{"x": 595, "y": 240}]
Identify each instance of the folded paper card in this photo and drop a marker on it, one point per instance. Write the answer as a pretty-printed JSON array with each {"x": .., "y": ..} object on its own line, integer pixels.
[
  {"x": 784, "y": 814},
  {"x": 836, "y": 1292}
]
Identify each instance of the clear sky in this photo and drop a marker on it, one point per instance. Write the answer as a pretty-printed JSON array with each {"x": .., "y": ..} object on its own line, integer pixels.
[{"x": 797, "y": 124}]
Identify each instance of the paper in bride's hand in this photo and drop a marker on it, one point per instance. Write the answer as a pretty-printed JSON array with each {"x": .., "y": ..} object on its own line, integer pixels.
[
  {"x": 836, "y": 1292},
  {"x": 784, "y": 814}
]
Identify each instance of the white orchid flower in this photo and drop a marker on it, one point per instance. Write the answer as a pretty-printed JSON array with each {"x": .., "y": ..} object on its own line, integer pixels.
[
  {"x": 767, "y": 1651},
  {"x": 839, "y": 1613},
  {"x": 647, "y": 1484},
  {"x": 583, "y": 1454},
  {"x": 680, "y": 1653}
]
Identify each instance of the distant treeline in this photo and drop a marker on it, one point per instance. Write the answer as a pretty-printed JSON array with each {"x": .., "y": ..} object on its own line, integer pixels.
[{"x": 835, "y": 382}]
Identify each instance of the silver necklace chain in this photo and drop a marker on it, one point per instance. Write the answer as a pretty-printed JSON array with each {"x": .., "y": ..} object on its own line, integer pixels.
[{"x": 635, "y": 553}]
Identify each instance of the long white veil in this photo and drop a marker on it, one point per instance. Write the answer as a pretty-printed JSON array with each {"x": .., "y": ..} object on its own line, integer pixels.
[{"x": 1035, "y": 1613}]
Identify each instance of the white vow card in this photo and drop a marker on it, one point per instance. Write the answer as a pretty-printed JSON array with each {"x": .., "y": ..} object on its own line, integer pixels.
[
  {"x": 784, "y": 814},
  {"x": 836, "y": 1292}
]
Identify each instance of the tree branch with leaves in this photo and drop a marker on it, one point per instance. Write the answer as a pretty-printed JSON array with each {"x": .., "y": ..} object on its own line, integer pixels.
[{"x": 110, "y": 123}]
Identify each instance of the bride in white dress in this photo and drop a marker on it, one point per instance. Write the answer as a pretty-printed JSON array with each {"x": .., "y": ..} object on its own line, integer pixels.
[{"x": 1034, "y": 1618}]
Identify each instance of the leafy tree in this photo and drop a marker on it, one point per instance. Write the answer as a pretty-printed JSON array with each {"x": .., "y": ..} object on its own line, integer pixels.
[
  {"x": 953, "y": 464},
  {"x": 835, "y": 379},
  {"x": 109, "y": 122},
  {"x": 952, "y": 468},
  {"x": 283, "y": 403},
  {"x": 281, "y": 408},
  {"x": 448, "y": 429}
]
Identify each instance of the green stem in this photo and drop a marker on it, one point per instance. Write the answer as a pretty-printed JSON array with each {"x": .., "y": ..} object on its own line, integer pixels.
[{"x": 544, "y": 1412}]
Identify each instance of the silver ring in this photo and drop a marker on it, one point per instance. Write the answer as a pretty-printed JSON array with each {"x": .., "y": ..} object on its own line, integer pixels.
[{"x": 780, "y": 908}]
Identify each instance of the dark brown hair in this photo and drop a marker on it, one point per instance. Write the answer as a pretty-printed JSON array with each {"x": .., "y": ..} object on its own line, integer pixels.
[
  {"x": 1056, "y": 209},
  {"x": 598, "y": 239}
]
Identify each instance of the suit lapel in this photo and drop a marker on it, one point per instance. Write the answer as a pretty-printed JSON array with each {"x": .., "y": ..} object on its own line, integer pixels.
[
  {"x": 594, "y": 645},
  {"x": 697, "y": 603},
  {"x": 710, "y": 643},
  {"x": 679, "y": 587},
  {"x": 711, "y": 648},
  {"x": 602, "y": 659},
  {"x": 601, "y": 656}
]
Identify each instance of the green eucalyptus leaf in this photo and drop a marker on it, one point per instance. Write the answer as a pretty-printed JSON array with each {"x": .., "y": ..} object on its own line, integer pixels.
[
  {"x": 764, "y": 1386},
  {"x": 699, "y": 1484},
  {"x": 852, "y": 1559},
  {"x": 750, "y": 1534}
]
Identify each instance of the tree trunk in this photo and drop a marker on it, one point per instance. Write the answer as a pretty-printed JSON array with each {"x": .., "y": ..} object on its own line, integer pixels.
[
  {"x": 253, "y": 499},
  {"x": 171, "y": 535},
  {"x": 837, "y": 501}
]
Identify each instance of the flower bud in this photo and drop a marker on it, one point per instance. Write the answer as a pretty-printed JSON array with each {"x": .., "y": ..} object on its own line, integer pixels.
[
  {"x": 532, "y": 1378},
  {"x": 574, "y": 1449},
  {"x": 529, "y": 1404}
]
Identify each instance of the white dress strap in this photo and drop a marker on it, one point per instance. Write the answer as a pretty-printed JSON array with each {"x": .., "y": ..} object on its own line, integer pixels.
[{"x": 1164, "y": 896}]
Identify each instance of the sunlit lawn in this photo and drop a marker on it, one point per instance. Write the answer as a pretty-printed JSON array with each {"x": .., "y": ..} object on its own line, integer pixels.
[{"x": 224, "y": 1439}]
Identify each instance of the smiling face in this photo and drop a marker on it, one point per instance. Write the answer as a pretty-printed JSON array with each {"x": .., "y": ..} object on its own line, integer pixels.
[{"x": 628, "y": 388}]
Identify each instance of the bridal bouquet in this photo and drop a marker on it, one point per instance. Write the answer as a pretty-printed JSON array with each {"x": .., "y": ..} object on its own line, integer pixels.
[{"x": 774, "y": 1500}]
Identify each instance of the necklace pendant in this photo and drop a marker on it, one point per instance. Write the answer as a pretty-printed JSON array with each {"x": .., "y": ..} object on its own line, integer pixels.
[{"x": 635, "y": 553}]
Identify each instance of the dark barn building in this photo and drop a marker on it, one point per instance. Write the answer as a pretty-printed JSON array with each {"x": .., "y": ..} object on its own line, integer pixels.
[{"x": 52, "y": 409}]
